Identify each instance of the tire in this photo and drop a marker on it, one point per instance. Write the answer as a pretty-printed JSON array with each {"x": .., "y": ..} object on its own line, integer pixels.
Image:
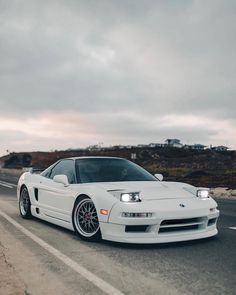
[
  {"x": 25, "y": 204},
  {"x": 85, "y": 219}
]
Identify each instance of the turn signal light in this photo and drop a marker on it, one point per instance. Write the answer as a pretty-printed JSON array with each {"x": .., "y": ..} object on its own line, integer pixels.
[{"x": 104, "y": 211}]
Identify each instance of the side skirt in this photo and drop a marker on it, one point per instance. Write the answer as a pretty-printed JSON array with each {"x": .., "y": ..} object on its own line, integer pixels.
[{"x": 41, "y": 215}]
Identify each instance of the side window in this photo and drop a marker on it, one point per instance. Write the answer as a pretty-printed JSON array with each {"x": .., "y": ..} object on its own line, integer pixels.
[{"x": 65, "y": 167}]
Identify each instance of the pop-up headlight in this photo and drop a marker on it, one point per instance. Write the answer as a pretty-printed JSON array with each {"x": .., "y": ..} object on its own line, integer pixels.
[{"x": 130, "y": 197}]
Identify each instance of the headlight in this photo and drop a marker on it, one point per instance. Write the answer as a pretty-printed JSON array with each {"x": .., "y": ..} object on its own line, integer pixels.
[
  {"x": 130, "y": 197},
  {"x": 203, "y": 194}
]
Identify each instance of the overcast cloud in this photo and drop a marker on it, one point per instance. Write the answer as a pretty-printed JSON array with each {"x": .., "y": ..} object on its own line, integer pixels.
[{"x": 75, "y": 73}]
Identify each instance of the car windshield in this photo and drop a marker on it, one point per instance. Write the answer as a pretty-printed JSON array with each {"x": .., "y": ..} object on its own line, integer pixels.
[{"x": 110, "y": 170}]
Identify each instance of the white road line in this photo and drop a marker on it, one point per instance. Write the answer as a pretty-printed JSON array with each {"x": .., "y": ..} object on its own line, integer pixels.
[
  {"x": 7, "y": 184},
  {"x": 232, "y": 227},
  {"x": 100, "y": 283}
]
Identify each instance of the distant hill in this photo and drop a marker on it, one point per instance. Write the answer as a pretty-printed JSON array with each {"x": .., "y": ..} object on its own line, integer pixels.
[{"x": 203, "y": 168}]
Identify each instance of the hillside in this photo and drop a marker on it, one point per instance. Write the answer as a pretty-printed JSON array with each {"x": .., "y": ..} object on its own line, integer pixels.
[{"x": 203, "y": 168}]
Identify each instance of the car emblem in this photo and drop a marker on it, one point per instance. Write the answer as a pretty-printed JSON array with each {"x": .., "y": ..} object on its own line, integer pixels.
[{"x": 182, "y": 205}]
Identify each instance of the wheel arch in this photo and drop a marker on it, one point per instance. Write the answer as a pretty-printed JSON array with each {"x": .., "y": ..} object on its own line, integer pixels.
[
  {"x": 80, "y": 196},
  {"x": 29, "y": 189},
  {"x": 19, "y": 190},
  {"x": 22, "y": 186},
  {"x": 24, "y": 212}
]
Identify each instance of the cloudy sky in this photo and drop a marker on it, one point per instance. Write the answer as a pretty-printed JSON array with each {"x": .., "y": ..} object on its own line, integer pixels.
[{"x": 75, "y": 73}]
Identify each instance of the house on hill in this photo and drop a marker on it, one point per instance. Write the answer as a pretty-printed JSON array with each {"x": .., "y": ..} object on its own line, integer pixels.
[
  {"x": 173, "y": 142},
  {"x": 220, "y": 148},
  {"x": 198, "y": 146},
  {"x": 154, "y": 145},
  {"x": 142, "y": 145}
]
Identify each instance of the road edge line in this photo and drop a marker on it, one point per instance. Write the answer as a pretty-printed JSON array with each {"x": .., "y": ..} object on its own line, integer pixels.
[{"x": 5, "y": 183}]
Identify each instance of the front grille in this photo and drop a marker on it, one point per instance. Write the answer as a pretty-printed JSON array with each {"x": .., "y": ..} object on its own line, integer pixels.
[
  {"x": 174, "y": 229},
  {"x": 179, "y": 221},
  {"x": 177, "y": 225}
]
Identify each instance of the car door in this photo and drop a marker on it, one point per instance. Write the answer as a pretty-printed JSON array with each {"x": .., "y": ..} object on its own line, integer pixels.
[{"x": 56, "y": 200}]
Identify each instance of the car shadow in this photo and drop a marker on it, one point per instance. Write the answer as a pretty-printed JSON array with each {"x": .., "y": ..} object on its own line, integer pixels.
[{"x": 161, "y": 245}]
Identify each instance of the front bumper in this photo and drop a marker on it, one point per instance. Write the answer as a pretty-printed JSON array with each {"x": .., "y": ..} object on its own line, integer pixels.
[{"x": 169, "y": 222}]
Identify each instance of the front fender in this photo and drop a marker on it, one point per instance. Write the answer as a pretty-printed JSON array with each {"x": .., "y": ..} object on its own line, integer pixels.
[
  {"x": 101, "y": 199},
  {"x": 21, "y": 182}
]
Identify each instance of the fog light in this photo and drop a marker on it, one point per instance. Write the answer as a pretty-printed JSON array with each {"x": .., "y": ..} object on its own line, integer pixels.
[{"x": 136, "y": 215}]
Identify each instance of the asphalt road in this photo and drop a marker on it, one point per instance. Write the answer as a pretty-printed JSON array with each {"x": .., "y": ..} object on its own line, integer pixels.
[{"x": 198, "y": 267}]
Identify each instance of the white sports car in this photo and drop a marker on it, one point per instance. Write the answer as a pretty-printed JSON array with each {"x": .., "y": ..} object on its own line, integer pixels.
[{"x": 115, "y": 199}]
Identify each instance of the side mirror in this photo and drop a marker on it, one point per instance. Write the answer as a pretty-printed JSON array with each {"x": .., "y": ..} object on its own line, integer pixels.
[
  {"x": 61, "y": 179},
  {"x": 159, "y": 176}
]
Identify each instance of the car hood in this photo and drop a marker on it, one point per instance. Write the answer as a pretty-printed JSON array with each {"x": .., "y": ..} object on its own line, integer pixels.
[{"x": 151, "y": 190}]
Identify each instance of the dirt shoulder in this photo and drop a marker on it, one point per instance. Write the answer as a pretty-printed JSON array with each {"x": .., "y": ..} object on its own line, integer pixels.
[{"x": 10, "y": 283}]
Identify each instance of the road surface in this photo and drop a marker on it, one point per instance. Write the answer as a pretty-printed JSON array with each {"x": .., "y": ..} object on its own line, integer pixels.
[{"x": 46, "y": 259}]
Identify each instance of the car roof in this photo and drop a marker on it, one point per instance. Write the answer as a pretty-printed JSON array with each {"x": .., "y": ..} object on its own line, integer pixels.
[{"x": 92, "y": 157}]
